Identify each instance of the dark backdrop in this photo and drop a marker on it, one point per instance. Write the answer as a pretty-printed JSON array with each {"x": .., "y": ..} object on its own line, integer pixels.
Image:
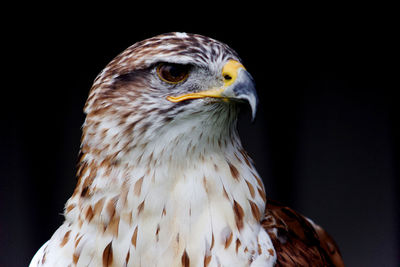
[{"x": 326, "y": 137}]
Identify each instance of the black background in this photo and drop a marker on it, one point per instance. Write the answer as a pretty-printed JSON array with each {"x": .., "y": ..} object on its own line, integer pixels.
[{"x": 325, "y": 141}]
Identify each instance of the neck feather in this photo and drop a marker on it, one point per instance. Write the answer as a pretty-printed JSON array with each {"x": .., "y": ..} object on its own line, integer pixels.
[{"x": 190, "y": 180}]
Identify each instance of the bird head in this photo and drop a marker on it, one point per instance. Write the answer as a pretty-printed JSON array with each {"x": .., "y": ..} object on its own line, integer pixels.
[{"x": 167, "y": 84}]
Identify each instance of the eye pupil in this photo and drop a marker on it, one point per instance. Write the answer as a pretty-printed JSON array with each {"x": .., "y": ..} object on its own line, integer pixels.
[{"x": 173, "y": 73}]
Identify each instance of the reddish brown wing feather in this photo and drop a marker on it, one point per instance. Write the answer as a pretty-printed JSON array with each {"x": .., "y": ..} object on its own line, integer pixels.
[{"x": 297, "y": 241}]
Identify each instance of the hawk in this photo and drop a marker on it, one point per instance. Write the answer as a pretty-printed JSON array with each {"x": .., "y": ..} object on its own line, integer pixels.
[{"x": 163, "y": 179}]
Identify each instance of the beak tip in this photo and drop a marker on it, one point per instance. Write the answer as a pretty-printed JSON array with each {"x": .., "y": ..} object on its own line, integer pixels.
[
  {"x": 253, "y": 116},
  {"x": 253, "y": 107},
  {"x": 245, "y": 90}
]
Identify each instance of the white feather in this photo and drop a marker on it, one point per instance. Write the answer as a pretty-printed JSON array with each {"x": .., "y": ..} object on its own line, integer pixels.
[{"x": 38, "y": 256}]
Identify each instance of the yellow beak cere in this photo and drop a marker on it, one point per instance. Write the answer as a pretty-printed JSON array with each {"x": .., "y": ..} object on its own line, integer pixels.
[{"x": 230, "y": 71}]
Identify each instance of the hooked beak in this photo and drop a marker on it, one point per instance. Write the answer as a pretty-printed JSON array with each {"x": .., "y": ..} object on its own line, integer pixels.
[{"x": 238, "y": 85}]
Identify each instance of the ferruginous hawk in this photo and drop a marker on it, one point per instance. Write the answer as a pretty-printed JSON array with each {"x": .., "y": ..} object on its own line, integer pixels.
[{"x": 163, "y": 177}]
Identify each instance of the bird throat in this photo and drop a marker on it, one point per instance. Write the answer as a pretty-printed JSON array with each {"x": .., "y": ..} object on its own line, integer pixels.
[{"x": 203, "y": 205}]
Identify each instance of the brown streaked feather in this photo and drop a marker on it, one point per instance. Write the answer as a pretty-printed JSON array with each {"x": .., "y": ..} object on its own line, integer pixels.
[
  {"x": 297, "y": 241},
  {"x": 329, "y": 245}
]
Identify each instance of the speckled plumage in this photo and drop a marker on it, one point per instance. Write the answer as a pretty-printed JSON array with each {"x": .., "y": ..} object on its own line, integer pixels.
[{"x": 162, "y": 183}]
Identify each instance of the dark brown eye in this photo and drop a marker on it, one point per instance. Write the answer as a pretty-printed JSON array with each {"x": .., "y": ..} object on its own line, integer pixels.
[{"x": 173, "y": 73}]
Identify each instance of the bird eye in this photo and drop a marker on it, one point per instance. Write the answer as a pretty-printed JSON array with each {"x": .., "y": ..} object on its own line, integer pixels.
[{"x": 173, "y": 73}]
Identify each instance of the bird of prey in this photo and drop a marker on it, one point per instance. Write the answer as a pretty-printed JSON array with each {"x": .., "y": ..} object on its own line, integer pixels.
[{"x": 163, "y": 179}]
